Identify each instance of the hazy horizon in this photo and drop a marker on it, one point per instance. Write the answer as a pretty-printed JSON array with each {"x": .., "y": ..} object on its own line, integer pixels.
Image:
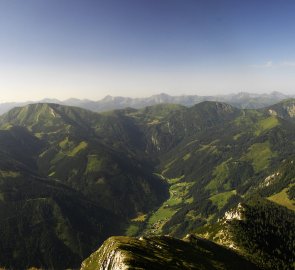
[
  {"x": 147, "y": 96},
  {"x": 89, "y": 49}
]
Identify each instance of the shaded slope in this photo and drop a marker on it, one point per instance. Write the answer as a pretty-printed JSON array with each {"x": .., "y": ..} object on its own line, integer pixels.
[
  {"x": 46, "y": 224},
  {"x": 100, "y": 155},
  {"x": 18, "y": 149}
]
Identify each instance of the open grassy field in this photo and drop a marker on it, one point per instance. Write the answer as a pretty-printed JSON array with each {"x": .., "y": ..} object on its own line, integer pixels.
[
  {"x": 221, "y": 199},
  {"x": 282, "y": 199}
]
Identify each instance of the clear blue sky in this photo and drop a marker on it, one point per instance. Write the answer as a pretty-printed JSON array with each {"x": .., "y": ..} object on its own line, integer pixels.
[{"x": 91, "y": 48}]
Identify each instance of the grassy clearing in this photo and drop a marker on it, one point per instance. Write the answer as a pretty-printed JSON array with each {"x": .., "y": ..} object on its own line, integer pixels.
[
  {"x": 154, "y": 122},
  {"x": 189, "y": 200},
  {"x": 93, "y": 164},
  {"x": 249, "y": 119},
  {"x": 6, "y": 126},
  {"x": 64, "y": 143},
  {"x": 260, "y": 155},
  {"x": 282, "y": 199},
  {"x": 11, "y": 174},
  {"x": 187, "y": 156},
  {"x": 132, "y": 230},
  {"x": 221, "y": 199},
  {"x": 158, "y": 219},
  {"x": 140, "y": 218},
  {"x": 81, "y": 146},
  {"x": 59, "y": 156},
  {"x": 209, "y": 148},
  {"x": 172, "y": 181},
  {"x": 237, "y": 136},
  {"x": 39, "y": 135},
  {"x": 220, "y": 174},
  {"x": 167, "y": 166},
  {"x": 178, "y": 192},
  {"x": 266, "y": 124},
  {"x": 70, "y": 149}
]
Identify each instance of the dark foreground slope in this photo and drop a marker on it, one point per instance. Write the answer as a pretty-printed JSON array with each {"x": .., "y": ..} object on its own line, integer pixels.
[
  {"x": 47, "y": 224},
  {"x": 260, "y": 230},
  {"x": 162, "y": 252}
]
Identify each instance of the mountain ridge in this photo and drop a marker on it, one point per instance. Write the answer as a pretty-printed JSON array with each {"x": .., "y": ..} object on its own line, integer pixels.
[{"x": 163, "y": 252}]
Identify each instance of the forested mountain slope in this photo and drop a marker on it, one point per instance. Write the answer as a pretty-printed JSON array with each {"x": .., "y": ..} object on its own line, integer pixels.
[{"x": 164, "y": 169}]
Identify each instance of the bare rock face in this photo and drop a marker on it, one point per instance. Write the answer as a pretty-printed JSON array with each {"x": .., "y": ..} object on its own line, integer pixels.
[
  {"x": 236, "y": 213},
  {"x": 108, "y": 256},
  {"x": 284, "y": 109}
]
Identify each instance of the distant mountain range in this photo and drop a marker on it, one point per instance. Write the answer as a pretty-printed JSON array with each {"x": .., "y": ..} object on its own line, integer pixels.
[{"x": 241, "y": 100}]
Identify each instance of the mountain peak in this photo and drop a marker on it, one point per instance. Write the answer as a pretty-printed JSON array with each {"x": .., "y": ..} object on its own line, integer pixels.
[
  {"x": 108, "y": 98},
  {"x": 162, "y": 98},
  {"x": 47, "y": 117},
  {"x": 277, "y": 94},
  {"x": 49, "y": 100},
  {"x": 162, "y": 95},
  {"x": 32, "y": 114},
  {"x": 219, "y": 107}
]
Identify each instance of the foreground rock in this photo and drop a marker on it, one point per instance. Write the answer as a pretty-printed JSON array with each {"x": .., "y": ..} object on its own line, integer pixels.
[{"x": 163, "y": 252}]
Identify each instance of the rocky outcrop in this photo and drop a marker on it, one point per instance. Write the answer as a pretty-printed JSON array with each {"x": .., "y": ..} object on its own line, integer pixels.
[
  {"x": 163, "y": 252},
  {"x": 108, "y": 256}
]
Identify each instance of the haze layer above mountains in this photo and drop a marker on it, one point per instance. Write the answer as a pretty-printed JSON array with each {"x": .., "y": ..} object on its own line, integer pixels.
[{"x": 241, "y": 100}]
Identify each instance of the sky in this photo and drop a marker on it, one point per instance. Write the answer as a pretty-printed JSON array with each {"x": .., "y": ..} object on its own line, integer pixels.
[{"x": 93, "y": 48}]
